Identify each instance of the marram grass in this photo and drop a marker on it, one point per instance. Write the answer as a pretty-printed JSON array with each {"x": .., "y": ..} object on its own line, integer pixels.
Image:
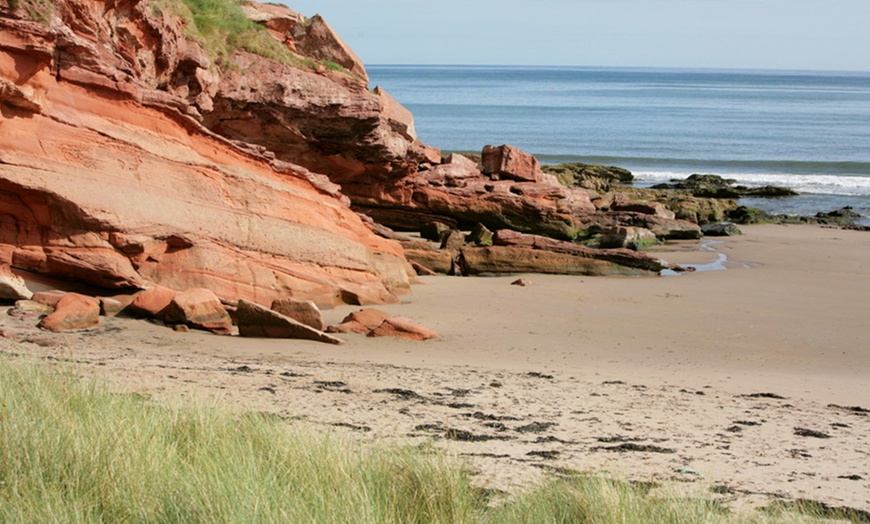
[{"x": 70, "y": 451}]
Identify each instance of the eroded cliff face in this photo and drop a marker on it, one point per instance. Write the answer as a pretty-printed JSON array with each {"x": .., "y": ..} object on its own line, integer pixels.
[{"x": 109, "y": 177}]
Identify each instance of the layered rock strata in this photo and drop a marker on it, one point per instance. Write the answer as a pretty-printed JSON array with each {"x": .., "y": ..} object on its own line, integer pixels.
[{"x": 108, "y": 177}]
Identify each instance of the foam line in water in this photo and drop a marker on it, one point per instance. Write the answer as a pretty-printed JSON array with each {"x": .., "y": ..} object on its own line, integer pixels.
[{"x": 816, "y": 184}]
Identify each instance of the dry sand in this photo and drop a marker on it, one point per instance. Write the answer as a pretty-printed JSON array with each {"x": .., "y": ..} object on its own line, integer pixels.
[{"x": 670, "y": 380}]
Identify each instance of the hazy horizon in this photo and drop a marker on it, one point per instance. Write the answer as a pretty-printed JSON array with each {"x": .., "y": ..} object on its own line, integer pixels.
[
  {"x": 628, "y": 68},
  {"x": 784, "y": 35}
]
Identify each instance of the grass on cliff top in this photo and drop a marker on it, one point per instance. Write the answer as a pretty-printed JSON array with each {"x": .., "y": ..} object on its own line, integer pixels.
[
  {"x": 222, "y": 28},
  {"x": 70, "y": 451}
]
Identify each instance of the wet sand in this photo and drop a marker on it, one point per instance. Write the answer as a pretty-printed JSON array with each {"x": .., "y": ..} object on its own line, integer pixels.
[{"x": 738, "y": 381}]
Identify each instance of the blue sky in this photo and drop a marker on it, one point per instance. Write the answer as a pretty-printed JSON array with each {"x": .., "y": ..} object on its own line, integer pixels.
[{"x": 752, "y": 34}]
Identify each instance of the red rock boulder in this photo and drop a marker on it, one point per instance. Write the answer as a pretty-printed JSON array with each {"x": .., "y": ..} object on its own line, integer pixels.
[
  {"x": 304, "y": 311},
  {"x": 200, "y": 309},
  {"x": 509, "y": 162},
  {"x": 73, "y": 311},
  {"x": 152, "y": 302}
]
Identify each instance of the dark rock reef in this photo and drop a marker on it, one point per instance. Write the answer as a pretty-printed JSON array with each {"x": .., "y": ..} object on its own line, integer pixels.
[{"x": 714, "y": 186}]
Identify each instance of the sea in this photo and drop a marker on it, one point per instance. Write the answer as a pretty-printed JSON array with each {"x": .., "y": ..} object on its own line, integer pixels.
[{"x": 808, "y": 130}]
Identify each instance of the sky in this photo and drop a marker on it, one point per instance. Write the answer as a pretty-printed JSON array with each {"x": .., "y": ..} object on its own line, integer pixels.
[{"x": 733, "y": 34}]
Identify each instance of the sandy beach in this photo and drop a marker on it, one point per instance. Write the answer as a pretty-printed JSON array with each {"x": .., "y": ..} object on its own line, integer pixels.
[{"x": 743, "y": 383}]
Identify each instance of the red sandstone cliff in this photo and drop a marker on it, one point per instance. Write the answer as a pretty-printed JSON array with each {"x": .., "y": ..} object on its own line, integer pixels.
[{"x": 108, "y": 177}]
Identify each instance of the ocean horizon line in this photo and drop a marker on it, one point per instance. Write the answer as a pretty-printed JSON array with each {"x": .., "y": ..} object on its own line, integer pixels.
[{"x": 661, "y": 69}]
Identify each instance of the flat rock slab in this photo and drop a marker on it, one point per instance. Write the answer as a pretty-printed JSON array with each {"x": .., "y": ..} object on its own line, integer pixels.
[
  {"x": 258, "y": 321},
  {"x": 361, "y": 321},
  {"x": 304, "y": 311},
  {"x": 402, "y": 327}
]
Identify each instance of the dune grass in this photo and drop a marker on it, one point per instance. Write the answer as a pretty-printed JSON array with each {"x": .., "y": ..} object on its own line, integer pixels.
[{"x": 70, "y": 451}]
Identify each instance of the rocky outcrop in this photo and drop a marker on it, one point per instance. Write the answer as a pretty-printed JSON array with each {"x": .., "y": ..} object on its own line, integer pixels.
[
  {"x": 444, "y": 261},
  {"x": 109, "y": 178},
  {"x": 514, "y": 252},
  {"x": 334, "y": 127},
  {"x": 617, "y": 260},
  {"x": 460, "y": 194},
  {"x": 309, "y": 37}
]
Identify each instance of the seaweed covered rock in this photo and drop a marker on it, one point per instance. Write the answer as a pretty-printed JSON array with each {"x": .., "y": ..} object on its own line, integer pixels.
[
  {"x": 596, "y": 177},
  {"x": 721, "y": 229},
  {"x": 627, "y": 237},
  {"x": 714, "y": 186},
  {"x": 845, "y": 216}
]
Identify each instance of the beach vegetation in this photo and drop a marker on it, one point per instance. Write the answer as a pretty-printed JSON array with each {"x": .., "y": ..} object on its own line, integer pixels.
[{"x": 72, "y": 451}]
